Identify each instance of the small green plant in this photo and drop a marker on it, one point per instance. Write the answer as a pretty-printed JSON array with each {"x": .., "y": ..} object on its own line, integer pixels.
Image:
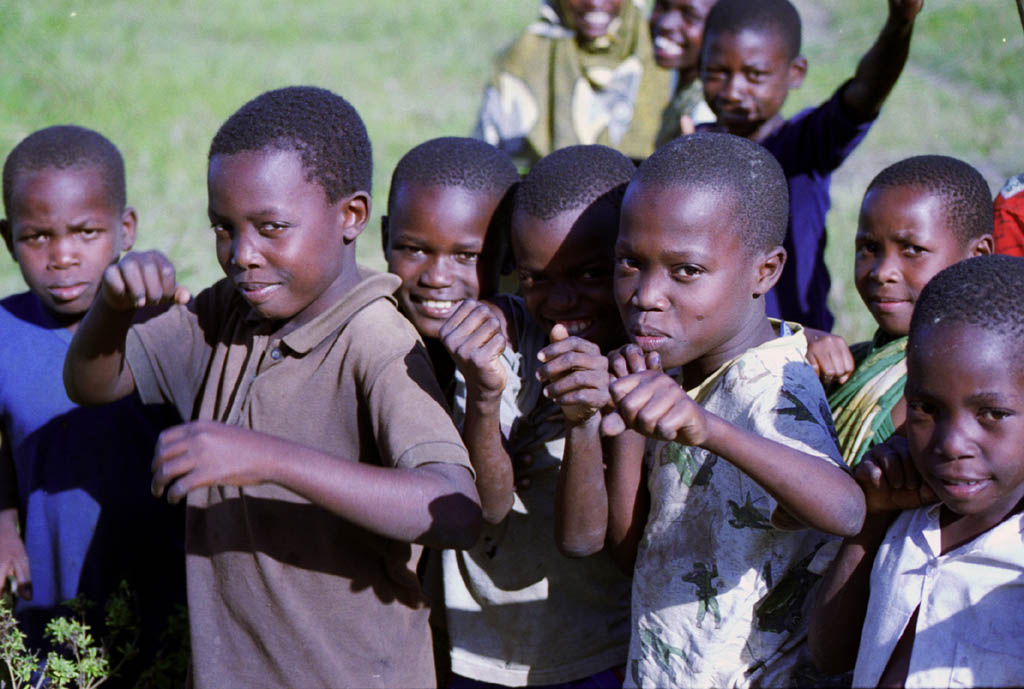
[{"x": 77, "y": 660}]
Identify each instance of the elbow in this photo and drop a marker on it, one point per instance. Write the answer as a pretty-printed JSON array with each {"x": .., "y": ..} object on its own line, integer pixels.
[
  {"x": 851, "y": 514},
  {"x": 494, "y": 512}
]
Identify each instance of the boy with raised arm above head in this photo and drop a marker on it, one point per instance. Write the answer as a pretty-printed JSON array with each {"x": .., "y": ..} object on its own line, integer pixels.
[
  {"x": 929, "y": 595},
  {"x": 750, "y": 61},
  {"x": 309, "y": 483},
  {"x": 739, "y": 445}
]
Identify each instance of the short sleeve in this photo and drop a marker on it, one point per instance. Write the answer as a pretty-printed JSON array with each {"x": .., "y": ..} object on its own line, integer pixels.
[{"x": 410, "y": 419}]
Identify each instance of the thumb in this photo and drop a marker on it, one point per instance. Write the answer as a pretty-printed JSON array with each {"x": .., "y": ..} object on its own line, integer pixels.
[
  {"x": 686, "y": 125},
  {"x": 559, "y": 333}
]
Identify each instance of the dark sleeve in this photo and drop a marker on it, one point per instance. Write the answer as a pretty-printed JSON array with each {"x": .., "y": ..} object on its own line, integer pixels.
[
  {"x": 8, "y": 474},
  {"x": 817, "y": 140}
]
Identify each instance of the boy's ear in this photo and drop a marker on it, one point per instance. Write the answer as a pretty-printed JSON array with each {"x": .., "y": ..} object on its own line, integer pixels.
[
  {"x": 384, "y": 238},
  {"x": 981, "y": 246},
  {"x": 768, "y": 270},
  {"x": 5, "y": 230},
  {"x": 354, "y": 214},
  {"x": 129, "y": 224},
  {"x": 797, "y": 71}
]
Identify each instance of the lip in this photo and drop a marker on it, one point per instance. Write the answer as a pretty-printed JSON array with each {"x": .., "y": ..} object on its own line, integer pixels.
[
  {"x": 257, "y": 292},
  {"x": 667, "y": 48},
  {"x": 439, "y": 309},
  {"x": 67, "y": 292},
  {"x": 961, "y": 487},
  {"x": 647, "y": 338},
  {"x": 888, "y": 304}
]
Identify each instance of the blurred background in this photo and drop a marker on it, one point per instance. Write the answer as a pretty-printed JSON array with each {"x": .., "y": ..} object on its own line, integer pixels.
[{"x": 158, "y": 78}]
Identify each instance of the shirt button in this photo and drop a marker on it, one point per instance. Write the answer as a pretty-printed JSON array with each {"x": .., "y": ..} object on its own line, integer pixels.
[{"x": 275, "y": 354}]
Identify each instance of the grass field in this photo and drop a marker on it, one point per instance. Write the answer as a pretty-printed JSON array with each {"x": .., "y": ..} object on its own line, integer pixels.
[{"x": 159, "y": 78}]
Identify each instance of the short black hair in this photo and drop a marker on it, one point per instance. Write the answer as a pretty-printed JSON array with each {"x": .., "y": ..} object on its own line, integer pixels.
[
  {"x": 66, "y": 146},
  {"x": 732, "y": 167},
  {"x": 455, "y": 161},
  {"x": 764, "y": 16},
  {"x": 983, "y": 291},
  {"x": 571, "y": 178},
  {"x": 966, "y": 199},
  {"x": 320, "y": 125}
]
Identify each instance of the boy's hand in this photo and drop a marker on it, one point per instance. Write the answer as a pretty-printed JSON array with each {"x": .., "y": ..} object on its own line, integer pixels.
[
  {"x": 473, "y": 337},
  {"x": 622, "y": 362},
  {"x": 142, "y": 279},
  {"x": 829, "y": 356},
  {"x": 13, "y": 558},
  {"x": 575, "y": 374},
  {"x": 208, "y": 453},
  {"x": 654, "y": 404},
  {"x": 907, "y": 10},
  {"x": 890, "y": 480}
]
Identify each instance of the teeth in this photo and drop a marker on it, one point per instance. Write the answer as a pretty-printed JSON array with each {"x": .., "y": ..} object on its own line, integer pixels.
[
  {"x": 576, "y": 327},
  {"x": 667, "y": 45},
  {"x": 962, "y": 483},
  {"x": 439, "y": 305},
  {"x": 597, "y": 17}
]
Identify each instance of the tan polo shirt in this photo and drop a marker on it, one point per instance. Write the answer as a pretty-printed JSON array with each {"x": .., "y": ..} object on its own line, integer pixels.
[{"x": 282, "y": 592}]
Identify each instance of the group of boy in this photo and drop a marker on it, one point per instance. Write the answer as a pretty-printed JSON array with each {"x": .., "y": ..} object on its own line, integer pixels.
[{"x": 638, "y": 481}]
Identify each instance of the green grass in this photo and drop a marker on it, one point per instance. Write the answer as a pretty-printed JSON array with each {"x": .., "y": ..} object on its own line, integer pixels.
[{"x": 159, "y": 78}]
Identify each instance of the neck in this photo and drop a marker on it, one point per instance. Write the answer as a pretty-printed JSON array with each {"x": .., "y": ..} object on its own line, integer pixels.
[
  {"x": 758, "y": 331},
  {"x": 685, "y": 78}
]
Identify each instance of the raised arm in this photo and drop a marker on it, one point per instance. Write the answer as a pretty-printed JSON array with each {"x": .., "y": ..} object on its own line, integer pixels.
[
  {"x": 881, "y": 66},
  {"x": 474, "y": 337},
  {"x": 432, "y": 504},
  {"x": 814, "y": 492},
  {"x": 94, "y": 369}
]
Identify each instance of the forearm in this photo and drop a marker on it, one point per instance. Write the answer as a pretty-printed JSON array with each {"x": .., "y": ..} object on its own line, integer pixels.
[
  {"x": 838, "y": 615},
  {"x": 481, "y": 431},
  {"x": 814, "y": 491},
  {"x": 95, "y": 369},
  {"x": 628, "y": 499},
  {"x": 581, "y": 501},
  {"x": 879, "y": 69},
  {"x": 434, "y": 504}
]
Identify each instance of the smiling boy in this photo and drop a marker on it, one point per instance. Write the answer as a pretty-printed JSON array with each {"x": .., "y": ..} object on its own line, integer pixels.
[
  {"x": 929, "y": 595},
  {"x": 750, "y": 61},
  {"x": 445, "y": 232},
  {"x": 309, "y": 484},
  {"x": 519, "y": 613},
  {"x": 918, "y": 217},
  {"x": 739, "y": 445},
  {"x": 73, "y": 479}
]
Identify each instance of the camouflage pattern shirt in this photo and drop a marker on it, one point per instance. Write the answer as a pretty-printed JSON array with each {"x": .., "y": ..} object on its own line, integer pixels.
[{"x": 719, "y": 591}]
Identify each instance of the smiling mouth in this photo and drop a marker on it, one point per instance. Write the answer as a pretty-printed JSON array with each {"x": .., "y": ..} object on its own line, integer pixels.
[
  {"x": 436, "y": 308},
  {"x": 575, "y": 327},
  {"x": 257, "y": 292},
  {"x": 667, "y": 47}
]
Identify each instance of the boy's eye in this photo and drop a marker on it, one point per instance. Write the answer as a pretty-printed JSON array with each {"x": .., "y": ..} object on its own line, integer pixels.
[
  {"x": 89, "y": 232},
  {"x": 219, "y": 228},
  {"x": 467, "y": 256},
  {"x": 526, "y": 278},
  {"x": 594, "y": 274},
  {"x": 920, "y": 408},
  {"x": 625, "y": 264},
  {"x": 866, "y": 247},
  {"x": 33, "y": 239},
  {"x": 687, "y": 270},
  {"x": 272, "y": 227},
  {"x": 410, "y": 250},
  {"x": 913, "y": 250},
  {"x": 756, "y": 75},
  {"x": 990, "y": 414}
]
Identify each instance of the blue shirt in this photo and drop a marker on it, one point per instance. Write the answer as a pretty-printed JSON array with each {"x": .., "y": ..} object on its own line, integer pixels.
[{"x": 83, "y": 474}]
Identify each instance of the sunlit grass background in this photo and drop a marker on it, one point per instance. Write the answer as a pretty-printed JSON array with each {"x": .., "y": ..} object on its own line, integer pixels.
[{"x": 159, "y": 78}]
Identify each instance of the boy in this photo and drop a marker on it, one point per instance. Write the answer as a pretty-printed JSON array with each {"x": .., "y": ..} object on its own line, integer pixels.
[
  {"x": 72, "y": 478},
  {"x": 677, "y": 27},
  {"x": 918, "y": 217},
  {"x": 1008, "y": 231},
  {"x": 519, "y": 613},
  {"x": 938, "y": 588},
  {"x": 750, "y": 61},
  {"x": 583, "y": 73},
  {"x": 444, "y": 232},
  {"x": 307, "y": 480},
  {"x": 718, "y": 585}
]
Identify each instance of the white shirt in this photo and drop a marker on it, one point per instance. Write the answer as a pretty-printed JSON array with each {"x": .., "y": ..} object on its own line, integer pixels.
[{"x": 970, "y": 628}]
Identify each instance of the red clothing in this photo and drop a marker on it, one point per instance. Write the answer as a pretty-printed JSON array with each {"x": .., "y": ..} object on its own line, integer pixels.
[{"x": 1009, "y": 211}]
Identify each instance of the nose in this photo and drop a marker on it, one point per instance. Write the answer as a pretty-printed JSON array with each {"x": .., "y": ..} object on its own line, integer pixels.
[
  {"x": 562, "y": 298},
  {"x": 734, "y": 87},
  {"x": 885, "y": 268},
  {"x": 244, "y": 250},
  {"x": 63, "y": 252},
  {"x": 952, "y": 437},
  {"x": 437, "y": 274},
  {"x": 649, "y": 294},
  {"x": 669, "y": 21}
]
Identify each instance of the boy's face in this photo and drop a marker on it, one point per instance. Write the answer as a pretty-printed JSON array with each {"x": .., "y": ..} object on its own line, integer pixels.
[
  {"x": 436, "y": 240},
  {"x": 747, "y": 76},
  {"x": 64, "y": 231},
  {"x": 677, "y": 27},
  {"x": 278, "y": 238},
  {"x": 565, "y": 271},
  {"x": 683, "y": 280},
  {"x": 591, "y": 18},
  {"x": 902, "y": 241},
  {"x": 965, "y": 418}
]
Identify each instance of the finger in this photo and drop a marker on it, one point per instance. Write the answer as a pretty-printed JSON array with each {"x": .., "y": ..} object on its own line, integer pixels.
[
  {"x": 568, "y": 362},
  {"x": 153, "y": 281},
  {"x": 113, "y": 281},
  {"x": 867, "y": 473},
  {"x": 636, "y": 360},
  {"x": 812, "y": 359},
  {"x": 23, "y": 576},
  {"x": 617, "y": 364},
  {"x": 577, "y": 380},
  {"x": 623, "y": 386},
  {"x": 566, "y": 345},
  {"x": 134, "y": 282},
  {"x": 653, "y": 361},
  {"x": 686, "y": 125},
  {"x": 167, "y": 470},
  {"x": 612, "y": 425},
  {"x": 559, "y": 332},
  {"x": 846, "y": 363},
  {"x": 461, "y": 312},
  {"x": 182, "y": 295}
]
